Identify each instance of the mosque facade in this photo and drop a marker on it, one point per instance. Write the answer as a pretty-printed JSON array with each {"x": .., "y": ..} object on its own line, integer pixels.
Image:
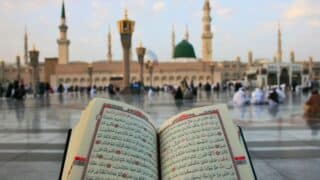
[{"x": 183, "y": 65}]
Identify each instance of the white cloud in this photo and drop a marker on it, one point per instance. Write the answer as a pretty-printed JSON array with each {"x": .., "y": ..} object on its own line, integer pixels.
[
  {"x": 220, "y": 10},
  {"x": 30, "y": 5},
  {"x": 224, "y": 11},
  {"x": 302, "y": 8},
  {"x": 217, "y": 9},
  {"x": 314, "y": 23},
  {"x": 158, "y": 6},
  {"x": 140, "y": 3},
  {"x": 100, "y": 13}
]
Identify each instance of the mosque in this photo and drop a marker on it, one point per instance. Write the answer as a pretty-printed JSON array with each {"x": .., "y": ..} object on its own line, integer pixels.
[{"x": 183, "y": 65}]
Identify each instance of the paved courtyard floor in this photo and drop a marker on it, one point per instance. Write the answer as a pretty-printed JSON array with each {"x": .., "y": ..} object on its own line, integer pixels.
[{"x": 32, "y": 133}]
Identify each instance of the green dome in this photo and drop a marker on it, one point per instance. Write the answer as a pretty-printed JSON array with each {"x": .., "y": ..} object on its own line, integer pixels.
[{"x": 184, "y": 50}]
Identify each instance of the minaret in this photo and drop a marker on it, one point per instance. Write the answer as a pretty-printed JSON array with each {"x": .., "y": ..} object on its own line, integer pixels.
[
  {"x": 250, "y": 58},
  {"x": 186, "y": 35},
  {"x": 279, "y": 51},
  {"x": 292, "y": 57},
  {"x": 63, "y": 42},
  {"x": 109, "y": 55},
  {"x": 275, "y": 58},
  {"x": 25, "y": 46},
  {"x": 173, "y": 41},
  {"x": 238, "y": 59},
  {"x": 207, "y": 35}
]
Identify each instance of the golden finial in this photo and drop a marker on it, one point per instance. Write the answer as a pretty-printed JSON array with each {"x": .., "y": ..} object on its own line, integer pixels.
[
  {"x": 34, "y": 47},
  {"x": 187, "y": 33},
  {"x": 126, "y": 13}
]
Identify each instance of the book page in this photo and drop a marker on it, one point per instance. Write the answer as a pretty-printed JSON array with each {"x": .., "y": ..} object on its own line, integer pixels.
[
  {"x": 74, "y": 142},
  {"x": 202, "y": 144},
  {"x": 120, "y": 142}
]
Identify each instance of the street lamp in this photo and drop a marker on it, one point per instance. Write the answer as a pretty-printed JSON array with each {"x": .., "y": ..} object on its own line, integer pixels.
[
  {"x": 212, "y": 66},
  {"x": 150, "y": 66},
  {"x": 126, "y": 29},
  {"x": 220, "y": 68},
  {"x": 18, "y": 63},
  {"x": 34, "y": 62},
  {"x": 141, "y": 51},
  {"x": 90, "y": 71},
  {"x": 2, "y": 70}
]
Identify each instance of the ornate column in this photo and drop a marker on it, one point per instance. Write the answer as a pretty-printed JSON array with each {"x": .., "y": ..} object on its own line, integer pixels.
[
  {"x": 90, "y": 72},
  {"x": 126, "y": 28},
  {"x": 292, "y": 57},
  {"x": 212, "y": 66},
  {"x": 250, "y": 58},
  {"x": 18, "y": 68},
  {"x": 149, "y": 66},
  {"x": 34, "y": 62},
  {"x": 2, "y": 64},
  {"x": 141, "y": 51},
  {"x": 310, "y": 67}
]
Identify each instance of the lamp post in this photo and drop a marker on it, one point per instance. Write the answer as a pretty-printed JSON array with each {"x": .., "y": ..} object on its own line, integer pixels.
[
  {"x": 310, "y": 67},
  {"x": 126, "y": 28},
  {"x": 141, "y": 51},
  {"x": 220, "y": 67},
  {"x": 2, "y": 70},
  {"x": 212, "y": 66},
  {"x": 90, "y": 71},
  {"x": 18, "y": 68},
  {"x": 149, "y": 66},
  {"x": 34, "y": 61}
]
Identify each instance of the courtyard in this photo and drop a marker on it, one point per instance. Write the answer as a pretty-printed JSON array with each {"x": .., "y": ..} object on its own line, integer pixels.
[{"x": 33, "y": 132}]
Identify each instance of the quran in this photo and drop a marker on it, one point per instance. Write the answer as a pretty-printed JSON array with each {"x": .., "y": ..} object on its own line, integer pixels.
[{"x": 114, "y": 140}]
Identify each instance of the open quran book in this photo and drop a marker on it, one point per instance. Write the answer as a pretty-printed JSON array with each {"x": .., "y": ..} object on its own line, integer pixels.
[{"x": 114, "y": 140}]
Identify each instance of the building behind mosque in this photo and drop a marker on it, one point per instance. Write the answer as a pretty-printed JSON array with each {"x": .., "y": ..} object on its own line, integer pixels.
[{"x": 185, "y": 64}]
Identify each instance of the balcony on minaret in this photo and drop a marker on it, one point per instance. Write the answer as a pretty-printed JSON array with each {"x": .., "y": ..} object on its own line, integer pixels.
[{"x": 63, "y": 28}]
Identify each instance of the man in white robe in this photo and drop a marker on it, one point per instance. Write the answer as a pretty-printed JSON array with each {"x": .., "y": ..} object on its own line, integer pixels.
[
  {"x": 240, "y": 98},
  {"x": 257, "y": 97},
  {"x": 281, "y": 95}
]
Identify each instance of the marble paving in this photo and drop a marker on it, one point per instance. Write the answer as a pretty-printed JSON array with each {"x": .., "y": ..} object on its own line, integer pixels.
[{"x": 32, "y": 133}]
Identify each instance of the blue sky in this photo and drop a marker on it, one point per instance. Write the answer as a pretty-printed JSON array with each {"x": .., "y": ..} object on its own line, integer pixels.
[{"x": 238, "y": 26}]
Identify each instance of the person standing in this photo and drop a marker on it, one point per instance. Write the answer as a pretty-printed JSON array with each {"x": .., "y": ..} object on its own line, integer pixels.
[
  {"x": 1, "y": 90},
  {"x": 312, "y": 105},
  {"x": 240, "y": 98},
  {"x": 273, "y": 98}
]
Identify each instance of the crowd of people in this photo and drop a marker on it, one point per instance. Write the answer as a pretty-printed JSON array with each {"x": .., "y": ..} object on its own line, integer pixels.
[
  {"x": 259, "y": 96},
  {"x": 16, "y": 90}
]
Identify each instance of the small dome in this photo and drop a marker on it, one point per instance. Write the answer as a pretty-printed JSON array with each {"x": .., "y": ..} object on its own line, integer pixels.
[
  {"x": 151, "y": 56},
  {"x": 184, "y": 50}
]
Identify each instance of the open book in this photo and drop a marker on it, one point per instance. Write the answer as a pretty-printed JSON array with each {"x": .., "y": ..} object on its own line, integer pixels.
[{"x": 114, "y": 140}]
